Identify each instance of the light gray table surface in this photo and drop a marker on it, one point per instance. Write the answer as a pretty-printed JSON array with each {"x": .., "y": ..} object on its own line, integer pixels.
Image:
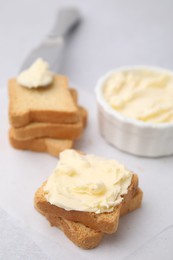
[{"x": 112, "y": 34}]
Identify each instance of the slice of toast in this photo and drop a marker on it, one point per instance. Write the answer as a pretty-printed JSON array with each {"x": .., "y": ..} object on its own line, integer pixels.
[
  {"x": 52, "y": 130},
  {"x": 78, "y": 233},
  {"x": 53, "y": 103},
  {"x": 74, "y": 94},
  {"x": 105, "y": 222},
  {"x": 49, "y": 145},
  {"x": 132, "y": 204}
]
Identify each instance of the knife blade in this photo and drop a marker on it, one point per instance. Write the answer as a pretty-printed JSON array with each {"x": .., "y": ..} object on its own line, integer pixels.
[{"x": 51, "y": 48}]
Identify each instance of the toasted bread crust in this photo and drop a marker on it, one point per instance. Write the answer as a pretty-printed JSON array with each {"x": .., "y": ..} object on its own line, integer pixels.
[
  {"x": 52, "y": 104},
  {"x": 78, "y": 233},
  {"x": 52, "y": 130},
  {"x": 132, "y": 204},
  {"x": 105, "y": 222},
  {"x": 74, "y": 94},
  {"x": 49, "y": 145}
]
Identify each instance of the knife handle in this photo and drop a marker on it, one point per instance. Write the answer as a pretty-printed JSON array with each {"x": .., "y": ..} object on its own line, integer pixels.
[{"x": 67, "y": 19}]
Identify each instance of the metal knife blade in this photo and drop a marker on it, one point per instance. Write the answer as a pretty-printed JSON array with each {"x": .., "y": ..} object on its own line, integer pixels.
[{"x": 52, "y": 47}]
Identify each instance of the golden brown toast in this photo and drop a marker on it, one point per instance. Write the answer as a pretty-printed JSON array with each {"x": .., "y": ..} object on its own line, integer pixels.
[
  {"x": 105, "y": 222},
  {"x": 49, "y": 145},
  {"x": 52, "y": 130},
  {"x": 78, "y": 233},
  {"x": 53, "y": 104}
]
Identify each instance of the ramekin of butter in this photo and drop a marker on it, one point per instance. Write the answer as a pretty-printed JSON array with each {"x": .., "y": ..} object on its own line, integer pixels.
[{"x": 135, "y": 110}]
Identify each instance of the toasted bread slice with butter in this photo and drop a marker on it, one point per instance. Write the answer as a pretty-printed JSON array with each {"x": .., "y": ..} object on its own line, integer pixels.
[
  {"x": 105, "y": 222},
  {"x": 78, "y": 233},
  {"x": 53, "y": 104},
  {"x": 49, "y": 145},
  {"x": 52, "y": 130}
]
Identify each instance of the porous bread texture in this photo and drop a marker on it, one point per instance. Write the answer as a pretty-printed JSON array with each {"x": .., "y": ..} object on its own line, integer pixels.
[
  {"x": 52, "y": 130},
  {"x": 74, "y": 94},
  {"x": 53, "y": 104},
  {"x": 78, "y": 233},
  {"x": 132, "y": 204},
  {"x": 49, "y": 145},
  {"x": 105, "y": 222},
  {"x": 52, "y": 146},
  {"x": 52, "y": 138}
]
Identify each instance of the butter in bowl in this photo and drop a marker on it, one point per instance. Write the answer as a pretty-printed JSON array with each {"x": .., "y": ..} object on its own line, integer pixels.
[{"x": 135, "y": 110}]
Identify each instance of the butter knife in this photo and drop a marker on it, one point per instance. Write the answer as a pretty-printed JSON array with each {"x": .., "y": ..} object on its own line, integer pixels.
[{"x": 52, "y": 46}]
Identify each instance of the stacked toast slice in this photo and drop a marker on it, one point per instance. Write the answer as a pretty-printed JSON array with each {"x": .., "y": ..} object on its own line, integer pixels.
[
  {"x": 46, "y": 119},
  {"x": 86, "y": 229}
]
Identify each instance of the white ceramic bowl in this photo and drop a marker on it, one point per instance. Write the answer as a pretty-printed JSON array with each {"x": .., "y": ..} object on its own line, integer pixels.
[{"x": 130, "y": 135}]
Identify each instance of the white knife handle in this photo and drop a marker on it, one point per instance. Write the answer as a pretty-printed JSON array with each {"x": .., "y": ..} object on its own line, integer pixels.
[{"x": 66, "y": 20}]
